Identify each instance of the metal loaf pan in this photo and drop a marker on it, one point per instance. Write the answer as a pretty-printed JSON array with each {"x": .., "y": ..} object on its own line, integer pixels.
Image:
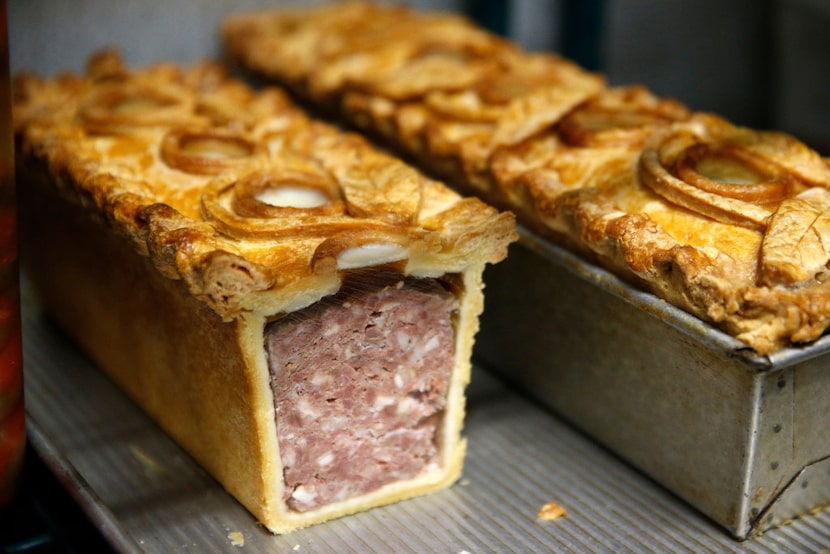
[{"x": 743, "y": 438}]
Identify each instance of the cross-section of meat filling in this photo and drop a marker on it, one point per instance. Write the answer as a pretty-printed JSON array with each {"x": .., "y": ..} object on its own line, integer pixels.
[{"x": 360, "y": 382}]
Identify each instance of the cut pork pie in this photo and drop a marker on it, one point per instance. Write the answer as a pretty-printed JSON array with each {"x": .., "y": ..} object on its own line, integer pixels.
[{"x": 294, "y": 307}]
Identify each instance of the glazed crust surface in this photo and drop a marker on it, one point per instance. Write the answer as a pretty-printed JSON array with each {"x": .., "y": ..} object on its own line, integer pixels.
[
  {"x": 726, "y": 222},
  {"x": 169, "y": 213},
  {"x": 239, "y": 193}
]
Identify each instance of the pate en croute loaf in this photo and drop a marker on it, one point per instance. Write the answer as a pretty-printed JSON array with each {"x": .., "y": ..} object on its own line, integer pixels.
[{"x": 296, "y": 308}]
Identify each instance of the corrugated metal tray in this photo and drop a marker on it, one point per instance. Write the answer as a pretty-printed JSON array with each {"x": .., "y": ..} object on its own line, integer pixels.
[
  {"x": 147, "y": 495},
  {"x": 742, "y": 437}
]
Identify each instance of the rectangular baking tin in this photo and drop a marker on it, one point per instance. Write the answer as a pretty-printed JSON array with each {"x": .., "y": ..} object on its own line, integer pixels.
[{"x": 744, "y": 438}]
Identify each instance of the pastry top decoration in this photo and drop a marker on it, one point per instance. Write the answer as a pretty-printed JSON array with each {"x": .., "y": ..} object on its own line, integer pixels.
[
  {"x": 728, "y": 223},
  {"x": 237, "y": 192}
]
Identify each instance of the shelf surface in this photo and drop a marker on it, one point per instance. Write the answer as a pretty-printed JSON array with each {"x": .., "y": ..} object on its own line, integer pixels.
[{"x": 145, "y": 494}]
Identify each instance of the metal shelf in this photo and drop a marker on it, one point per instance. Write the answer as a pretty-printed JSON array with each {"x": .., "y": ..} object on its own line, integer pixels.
[{"x": 143, "y": 493}]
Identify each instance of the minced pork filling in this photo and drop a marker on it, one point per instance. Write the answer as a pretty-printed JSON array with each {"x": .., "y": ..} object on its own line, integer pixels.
[{"x": 360, "y": 382}]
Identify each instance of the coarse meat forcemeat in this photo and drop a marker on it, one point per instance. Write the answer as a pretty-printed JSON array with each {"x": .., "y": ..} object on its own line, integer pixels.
[
  {"x": 728, "y": 223},
  {"x": 294, "y": 307}
]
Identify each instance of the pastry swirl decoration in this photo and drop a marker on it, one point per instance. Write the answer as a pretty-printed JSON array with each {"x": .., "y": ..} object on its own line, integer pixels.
[
  {"x": 436, "y": 58},
  {"x": 609, "y": 128},
  {"x": 275, "y": 193},
  {"x": 128, "y": 106},
  {"x": 620, "y": 117},
  {"x": 773, "y": 184},
  {"x": 717, "y": 176},
  {"x": 491, "y": 93},
  {"x": 276, "y": 204},
  {"x": 208, "y": 151}
]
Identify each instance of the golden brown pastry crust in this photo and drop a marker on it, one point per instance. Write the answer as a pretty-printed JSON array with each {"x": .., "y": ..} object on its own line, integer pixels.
[
  {"x": 169, "y": 213},
  {"x": 727, "y": 223}
]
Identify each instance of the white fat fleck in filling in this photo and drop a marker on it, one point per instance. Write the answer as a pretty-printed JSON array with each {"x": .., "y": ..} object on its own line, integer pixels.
[
  {"x": 404, "y": 340},
  {"x": 303, "y": 495},
  {"x": 406, "y": 405},
  {"x": 381, "y": 401},
  {"x": 330, "y": 329},
  {"x": 325, "y": 459},
  {"x": 305, "y": 408},
  {"x": 431, "y": 344},
  {"x": 322, "y": 380},
  {"x": 371, "y": 254}
]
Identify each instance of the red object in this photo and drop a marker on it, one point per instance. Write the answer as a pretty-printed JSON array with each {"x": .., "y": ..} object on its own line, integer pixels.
[
  {"x": 12, "y": 443},
  {"x": 12, "y": 413}
]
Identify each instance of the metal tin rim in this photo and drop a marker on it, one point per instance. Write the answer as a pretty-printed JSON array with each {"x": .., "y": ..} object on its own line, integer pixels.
[{"x": 694, "y": 327}]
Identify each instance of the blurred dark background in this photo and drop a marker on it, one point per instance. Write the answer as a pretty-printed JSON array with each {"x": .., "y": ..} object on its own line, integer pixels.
[{"x": 760, "y": 63}]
